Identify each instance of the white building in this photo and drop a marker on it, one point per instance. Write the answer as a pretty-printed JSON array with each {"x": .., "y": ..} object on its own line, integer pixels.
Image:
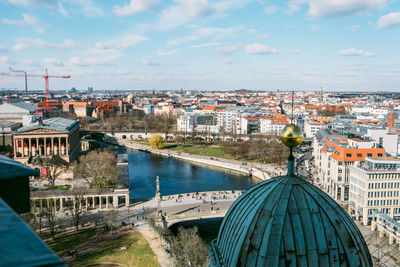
[
  {"x": 388, "y": 141},
  {"x": 375, "y": 185},
  {"x": 273, "y": 125}
]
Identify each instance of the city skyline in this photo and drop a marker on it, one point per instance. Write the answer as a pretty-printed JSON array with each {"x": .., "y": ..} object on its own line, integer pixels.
[{"x": 203, "y": 45}]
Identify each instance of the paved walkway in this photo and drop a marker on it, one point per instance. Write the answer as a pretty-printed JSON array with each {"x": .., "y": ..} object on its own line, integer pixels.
[{"x": 154, "y": 241}]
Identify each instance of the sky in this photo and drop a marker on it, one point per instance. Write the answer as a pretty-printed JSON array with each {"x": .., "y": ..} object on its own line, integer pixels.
[{"x": 341, "y": 45}]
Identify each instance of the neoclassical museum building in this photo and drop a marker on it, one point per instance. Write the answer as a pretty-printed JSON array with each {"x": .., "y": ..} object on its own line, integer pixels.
[{"x": 51, "y": 137}]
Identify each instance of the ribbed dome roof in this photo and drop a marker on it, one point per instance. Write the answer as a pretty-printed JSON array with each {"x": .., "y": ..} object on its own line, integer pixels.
[{"x": 287, "y": 221}]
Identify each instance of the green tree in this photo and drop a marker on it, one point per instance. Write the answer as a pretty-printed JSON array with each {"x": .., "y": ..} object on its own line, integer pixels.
[
  {"x": 156, "y": 141},
  {"x": 98, "y": 168}
]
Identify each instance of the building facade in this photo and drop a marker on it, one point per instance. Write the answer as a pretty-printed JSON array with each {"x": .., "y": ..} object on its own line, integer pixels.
[
  {"x": 55, "y": 136},
  {"x": 375, "y": 185}
]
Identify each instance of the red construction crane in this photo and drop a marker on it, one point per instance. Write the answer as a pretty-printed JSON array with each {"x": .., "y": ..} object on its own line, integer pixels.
[{"x": 46, "y": 82}]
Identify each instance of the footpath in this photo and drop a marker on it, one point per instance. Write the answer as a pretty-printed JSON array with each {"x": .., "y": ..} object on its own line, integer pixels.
[{"x": 260, "y": 171}]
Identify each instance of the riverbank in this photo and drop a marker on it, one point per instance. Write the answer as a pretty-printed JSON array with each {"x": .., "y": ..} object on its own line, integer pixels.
[{"x": 260, "y": 171}]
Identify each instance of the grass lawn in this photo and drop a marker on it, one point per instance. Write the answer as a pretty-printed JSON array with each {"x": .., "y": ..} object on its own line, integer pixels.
[
  {"x": 68, "y": 241},
  {"x": 137, "y": 253}
]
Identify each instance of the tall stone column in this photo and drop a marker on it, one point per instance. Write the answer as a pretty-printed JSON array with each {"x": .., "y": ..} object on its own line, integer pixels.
[
  {"x": 15, "y": 147},
  {"x": 127, "y": 200},
  {"x": 115, "y": 201},
  {"x": 45, "y": 146},
  {"x": 62, "y": 204},
  {"x": 52, "y": 146},
  {"x": 93, "y": 202},
  {"x": 30, "y": 147},
  {"x": 86, "y": 202},
  {"x": 59, "y": 146},
  {"x": 37, "y": 146},
  {"x": 107, "y": 202}
]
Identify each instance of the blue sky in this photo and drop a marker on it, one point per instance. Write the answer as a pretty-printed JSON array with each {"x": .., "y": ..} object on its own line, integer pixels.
[{"x": 203, "y": 44}]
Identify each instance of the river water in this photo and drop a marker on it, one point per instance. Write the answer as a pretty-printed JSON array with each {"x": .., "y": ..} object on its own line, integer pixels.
[{"x": 178, "y": 176}]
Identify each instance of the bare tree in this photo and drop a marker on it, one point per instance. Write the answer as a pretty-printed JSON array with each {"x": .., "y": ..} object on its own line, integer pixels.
[
  {"x": 77, "y": 210},
  {"x": 49, "y": 212},
  {"x": 188, "y": 248},
  {"x": 97, "y": 168},
  {"x": 55, "y": 167},
  {"x": 110, "y": 218}
]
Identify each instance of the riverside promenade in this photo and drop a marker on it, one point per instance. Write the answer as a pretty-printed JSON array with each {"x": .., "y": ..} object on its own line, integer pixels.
[{"x": 260, "y": 171}]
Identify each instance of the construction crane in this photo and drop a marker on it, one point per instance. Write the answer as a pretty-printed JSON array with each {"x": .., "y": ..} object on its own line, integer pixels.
[{"x": 46, "y": 77}]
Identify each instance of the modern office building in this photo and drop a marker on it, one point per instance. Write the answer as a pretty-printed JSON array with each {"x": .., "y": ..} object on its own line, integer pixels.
[{"x": 375, "y": 185}]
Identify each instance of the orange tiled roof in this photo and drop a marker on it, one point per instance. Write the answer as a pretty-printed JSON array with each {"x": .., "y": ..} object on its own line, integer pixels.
[
  {"x": 209, "y": 108},
  {"x": 352, "y": 154}
]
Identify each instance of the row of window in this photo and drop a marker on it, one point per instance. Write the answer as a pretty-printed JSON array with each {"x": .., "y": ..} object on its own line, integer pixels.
[
  {"x": 388, "y": 202},
  {"x": 383, "y": 185},
  {"x": 384, "y": 176},
  {"x": 359, "y": 155},
  {"x": 383, "y": 194}
]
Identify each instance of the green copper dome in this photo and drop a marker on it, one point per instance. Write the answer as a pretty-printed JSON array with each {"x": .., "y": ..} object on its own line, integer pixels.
[{"x": 286, "y": 221}]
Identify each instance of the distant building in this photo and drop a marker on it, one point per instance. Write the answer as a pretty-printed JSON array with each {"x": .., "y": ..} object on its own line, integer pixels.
[
  {"x": 18, "y": 111},
  {"x": 336, "y": 155},
  {"x": 6, "y": 130},
  {"x": 55, "y": 136},
  {"x": 375, "y": 185},
  {"x": 90, "y": 90}
]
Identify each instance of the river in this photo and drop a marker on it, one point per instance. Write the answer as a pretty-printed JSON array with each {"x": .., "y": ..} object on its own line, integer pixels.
[{"x": 178, "y": 176}]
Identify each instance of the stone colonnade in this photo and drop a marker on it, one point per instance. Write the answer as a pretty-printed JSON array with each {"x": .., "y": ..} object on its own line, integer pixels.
[
  {"x": 388, "y": 229},
  {"x": 44, "y": 146},
  {"x": 88, "y": 202}
]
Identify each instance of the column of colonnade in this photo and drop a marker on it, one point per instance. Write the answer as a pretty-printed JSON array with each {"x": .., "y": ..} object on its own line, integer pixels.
[{"x": 25, "y": 146}]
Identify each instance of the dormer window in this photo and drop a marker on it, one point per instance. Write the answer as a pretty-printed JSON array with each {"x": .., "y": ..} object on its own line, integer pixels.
[{"x": 348, "y": 155}]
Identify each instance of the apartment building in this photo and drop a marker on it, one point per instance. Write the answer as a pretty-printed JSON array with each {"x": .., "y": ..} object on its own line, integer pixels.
[
  {"x": 375, "y": 185},
  {"x": 313, "y": 125},
  {"x": 336, "y": 156},
  {"x": 273, "y": 125}
]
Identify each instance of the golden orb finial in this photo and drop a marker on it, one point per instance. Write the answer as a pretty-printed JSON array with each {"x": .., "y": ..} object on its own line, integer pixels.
[{"x": 292, "y": 136}]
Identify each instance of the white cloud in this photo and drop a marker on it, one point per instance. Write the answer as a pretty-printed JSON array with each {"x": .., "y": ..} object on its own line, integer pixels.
[
  {"x": 260, "y": 49},
  {"x": 49, "y": 3},
  {"x": 263, "y": 35},
  {"x": 136, "y": 6},
  {"x": 226, "y": 49},
  {"x": 150, "y": 63},
  {"x": 356, "y": 52},
  {"x": 325, "y": 8},
  {"x": 184, "y": 11},
  {"x": 213, "y": 33},
  {"x": 26, "y": 21},
  {"x": 121, "y": 43},
  {"x": 90, "y": 61},
  {"x": 4, "y": 59},
  {"x": 229, "y": 61},
  {"x": 205, "y": 45},
  {"x": 270, "y": 10},
  {"x": 294, "y": 6},
  {"x": 52, "y": 61},
  {"x": 295, "y": 51},
  {"x": 29, "y": 62},
  {"x": 162, "y": 53},
  {"x": 354, "y": 28},
  {"x": 26, "y": 43},
  {"x": 389, "y": 20},
  {"x": 315, "y": 28},
  {"x": 86, "y": 7}
]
